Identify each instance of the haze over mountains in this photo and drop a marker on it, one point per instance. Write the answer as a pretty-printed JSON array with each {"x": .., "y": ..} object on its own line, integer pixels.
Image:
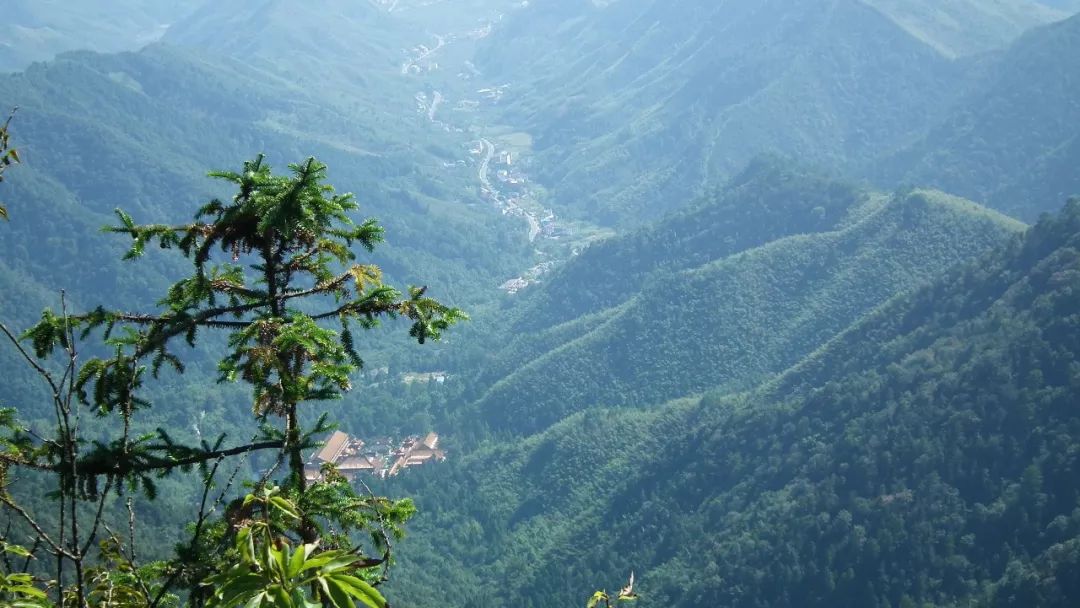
[
  {"x": 37, "y": 30},
  {"x": 640, "y": 105},
  {"x": 1011, "y": 141},
  {"x": 797, "y": 321}
]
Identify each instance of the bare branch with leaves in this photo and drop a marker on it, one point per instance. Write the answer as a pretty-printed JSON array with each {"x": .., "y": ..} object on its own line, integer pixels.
[{"x": 8, "y": 155}]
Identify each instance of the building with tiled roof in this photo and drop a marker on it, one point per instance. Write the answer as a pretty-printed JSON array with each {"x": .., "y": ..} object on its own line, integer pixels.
[{"x": 333, "y": 448}]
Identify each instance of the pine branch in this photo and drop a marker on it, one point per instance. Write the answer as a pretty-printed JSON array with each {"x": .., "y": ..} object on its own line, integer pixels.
[{"x": 167, "y": 464}]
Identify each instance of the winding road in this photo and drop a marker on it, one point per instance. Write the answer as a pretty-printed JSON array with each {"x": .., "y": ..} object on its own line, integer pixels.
[
  {"x": 438, "y": 99},
  {"x": 485, "y": 183}
]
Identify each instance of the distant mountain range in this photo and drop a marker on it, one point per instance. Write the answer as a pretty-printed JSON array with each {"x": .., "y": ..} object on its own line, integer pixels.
[
  {"x": 38, "y": 30},
  {"x": 1013, "y": 140},
  {"x": 637, "y": 107}
]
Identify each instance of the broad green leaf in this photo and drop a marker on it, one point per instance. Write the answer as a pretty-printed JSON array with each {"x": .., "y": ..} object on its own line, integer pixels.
[
  {"x": 285, "y": 506},
  {"x": 298, "y": 559},
  {"x": 331, "y": 561},
  {"x": 339, "y": 597},
  {"x": 361, "y": 590},
  {"x": 300, "y": 599},
  {"x": 27, "y": 590},
  {"x": 245, "y": 544},
  {"x": 241, "y": 584},
  {"x": 280, "y": 597},
  {"x": 16, "y": 550},
  {"x": 276, "y": 559},
  {"x": 256, "y": 601}
]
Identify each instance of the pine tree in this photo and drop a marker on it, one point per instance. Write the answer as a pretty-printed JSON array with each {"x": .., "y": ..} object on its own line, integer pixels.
[{"x": 275, "y": 269}]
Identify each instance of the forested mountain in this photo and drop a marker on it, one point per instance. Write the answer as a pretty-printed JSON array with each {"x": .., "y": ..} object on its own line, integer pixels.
[
  {"x": 140, "y": 131},
  {"x": 925, "y": 456},
  {"x": 634, "y": 106},
  {"x": 719, "y": 312},
  {"x": 1014, "y": 140}
]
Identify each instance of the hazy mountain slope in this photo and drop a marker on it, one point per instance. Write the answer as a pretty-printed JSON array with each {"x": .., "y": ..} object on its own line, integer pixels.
[
  {"x": 928, "y": 455},
  {"x": 348, "y": 51},
  {"x": 635, "y": 106},
  {"x": 733, "y": 318},
  {"x": 969, "y": 26},
  {"x": 1066, "y": 5},
  {"x": 38, "y": 30},
  {"x": 1014, "y": 142},
  {"x": 141, "y": 130}
]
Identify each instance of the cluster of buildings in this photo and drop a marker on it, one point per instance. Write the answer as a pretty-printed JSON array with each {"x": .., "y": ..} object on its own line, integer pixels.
[
  {"x": 531, "y": 276},
  {"x": 424, "y": 378},
  {"x": 381, "y": 458}
]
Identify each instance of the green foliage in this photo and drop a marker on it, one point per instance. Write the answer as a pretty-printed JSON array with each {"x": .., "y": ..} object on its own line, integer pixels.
[
  {"x": 17, "y": 589},
  {"x": 300, "y": 235},
  {"x": 269, "y": 572}
]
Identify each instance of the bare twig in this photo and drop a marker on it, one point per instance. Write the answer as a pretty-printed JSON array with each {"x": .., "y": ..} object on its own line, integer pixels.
[
  {"x": 44, "y": 373},
  {"x": 54, "y": 548},
  {"x": 97, "y": 517}
]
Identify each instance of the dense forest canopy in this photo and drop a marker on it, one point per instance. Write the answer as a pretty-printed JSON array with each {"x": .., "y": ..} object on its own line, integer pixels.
[{"x": 771, "y": 303}]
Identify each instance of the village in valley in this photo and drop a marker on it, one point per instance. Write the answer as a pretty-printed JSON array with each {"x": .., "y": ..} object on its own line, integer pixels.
[
  {"x": 381, "y": 458},
  {"x": 500, "y": 157}
]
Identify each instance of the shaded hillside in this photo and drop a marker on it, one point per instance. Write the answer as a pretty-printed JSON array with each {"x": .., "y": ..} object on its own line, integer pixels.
[
  {"x": 715, "y": 317},
  {"x": 927, "y": 456},
  {"x": 1014, "y": 141},
  {"x": 770, "y": 199},
  {"x": 636, "y": 106}
]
